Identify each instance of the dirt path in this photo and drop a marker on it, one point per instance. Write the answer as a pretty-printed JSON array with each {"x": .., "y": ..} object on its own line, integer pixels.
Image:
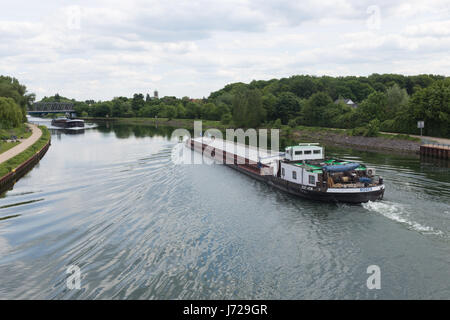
[
  {"x": 37, "y": 133},
  {"x": 359, "y": 142},
  {"x": 426, "y": 138}
]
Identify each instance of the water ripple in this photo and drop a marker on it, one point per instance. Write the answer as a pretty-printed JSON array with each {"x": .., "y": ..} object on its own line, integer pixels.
[{"x": 141, "y": 227}]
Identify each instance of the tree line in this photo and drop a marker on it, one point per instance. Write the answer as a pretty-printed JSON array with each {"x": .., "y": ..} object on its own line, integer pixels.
[
  {"x": 14, "y": 101},
  {"x": 387, "y": 102}
]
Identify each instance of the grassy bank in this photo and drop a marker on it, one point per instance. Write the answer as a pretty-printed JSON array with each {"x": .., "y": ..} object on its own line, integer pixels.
[
  {"x": 292, "y": 135},
  {"x": 14, "y": 162},
  {"x": 182, "y": 123},
  {"x": 349, "y": 132},
  {"x": 5, "y": 146},
  {"x": 21, "y": 132},
  {"x": 286, "y": 130}
]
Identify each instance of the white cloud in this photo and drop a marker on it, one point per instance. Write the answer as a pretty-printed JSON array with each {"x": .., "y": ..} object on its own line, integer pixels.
[
  {"x": 435, "y": 28},
  {"x": 101, "y": 49},
  {"x": 417, "y": 9}
]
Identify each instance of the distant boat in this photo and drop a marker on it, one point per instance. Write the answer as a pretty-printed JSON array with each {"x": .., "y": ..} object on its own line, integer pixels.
[{"x": 68, "y": 123}]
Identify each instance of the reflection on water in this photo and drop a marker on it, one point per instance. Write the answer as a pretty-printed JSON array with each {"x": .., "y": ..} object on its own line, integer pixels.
[
  {"x": 60, "y": 131},
  {"x": 140, "y": 227}
]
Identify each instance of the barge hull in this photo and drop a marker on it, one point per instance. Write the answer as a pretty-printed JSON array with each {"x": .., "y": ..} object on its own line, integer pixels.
[
  {"x": 347, "y": 197},
  {"x": 344, "y": 197}
]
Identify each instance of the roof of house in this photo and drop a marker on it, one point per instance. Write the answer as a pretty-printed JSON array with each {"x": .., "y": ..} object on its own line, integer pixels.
[{"x": 346, "y": 101}]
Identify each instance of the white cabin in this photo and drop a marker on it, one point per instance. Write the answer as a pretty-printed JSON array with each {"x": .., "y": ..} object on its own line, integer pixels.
[
  {"x": 296, "y": 174},
  {"x": 304, "y": 151}
]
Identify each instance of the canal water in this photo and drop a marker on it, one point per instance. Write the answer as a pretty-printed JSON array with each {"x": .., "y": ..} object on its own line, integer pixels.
[{"x": 110, "y": 201}]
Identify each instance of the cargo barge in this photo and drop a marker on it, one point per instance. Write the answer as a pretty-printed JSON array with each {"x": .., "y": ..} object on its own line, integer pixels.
[
  {"x": 302, "y": 170},
  {"x": 68, "y": 123}
]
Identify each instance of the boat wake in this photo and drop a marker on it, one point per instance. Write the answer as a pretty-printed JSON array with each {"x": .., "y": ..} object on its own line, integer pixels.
[
  {"x": 86, "y": 126},
  {"x": 399, "y": 213},
  {"x": 48, "y": 123}
]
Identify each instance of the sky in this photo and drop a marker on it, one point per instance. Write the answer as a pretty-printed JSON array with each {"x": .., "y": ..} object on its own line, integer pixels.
[{"x": 102, "y": 49}]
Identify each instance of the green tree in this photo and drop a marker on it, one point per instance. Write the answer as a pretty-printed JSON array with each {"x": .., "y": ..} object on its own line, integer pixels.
[
  {"x": 372, "y": 128},
  {"x": 360, "y": 90},
  {"x": 432, "y": 105},
  {"x": 269, "y": 102},
  {"x": 277, "y": 124},
  {"x": 185, "y": 100},
  {"x": 396, "y": 99},
  {"x": 255, "y": 111},
  {"x": 374, "y": 107},
  {"x": 150, "y": 111},
  {"x": 11, "y": 88},
  {"x": 167, "y": 111},
  {"x": 287, "y": 106},
  {"x": 210, "y": 112},
  {"x": 248, "y": 110},
  {"x": 102, "y": 109},
  {"x": 10, "y": 113},
  {"x": 315, "y": 109},
  {"x": 181, "y": 111},
  {"x": 240, "y": 106},
  {"x": 138, "y": 102},
  {"x": 170, "y": 112},
  {"x": 303, "y": 86},
  {"x": 119, "y": 107},
  {"x": 81, "y": 108},
  {"x": 226, "y": 118},
  {"x": 169, "y": 100},
  {"x": 193, "y": 110}
]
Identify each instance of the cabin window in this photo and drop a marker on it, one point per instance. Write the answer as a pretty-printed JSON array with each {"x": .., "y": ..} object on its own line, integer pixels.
[
  {"x": 312, "y": 180},
  {"x": 308, "y": 152},
  {"x": 282, "y": 172},
  {"x": 316, "y": 151},
  {"x": 294, "y": 175},
  {"x": 298, "y": 153}
]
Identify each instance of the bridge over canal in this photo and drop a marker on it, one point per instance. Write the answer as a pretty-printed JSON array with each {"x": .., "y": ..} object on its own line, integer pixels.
[{"x": 40, "y": 108}]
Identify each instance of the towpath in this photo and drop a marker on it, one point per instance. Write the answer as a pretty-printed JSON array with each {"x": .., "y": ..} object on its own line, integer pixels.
[
  {"x": 24, "y": 144},
  {"x": 426, "y": 139}
]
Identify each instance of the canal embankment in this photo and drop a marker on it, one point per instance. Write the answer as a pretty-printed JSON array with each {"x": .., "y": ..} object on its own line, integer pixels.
[
  {"x": 382, "y": 142},
  {"x": 17, "y": 161},
  {"x": 400, "y": 143}
]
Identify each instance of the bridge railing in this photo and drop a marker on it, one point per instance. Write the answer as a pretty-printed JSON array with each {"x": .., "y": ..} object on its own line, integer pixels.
[{"x": 51, "y": 106}]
